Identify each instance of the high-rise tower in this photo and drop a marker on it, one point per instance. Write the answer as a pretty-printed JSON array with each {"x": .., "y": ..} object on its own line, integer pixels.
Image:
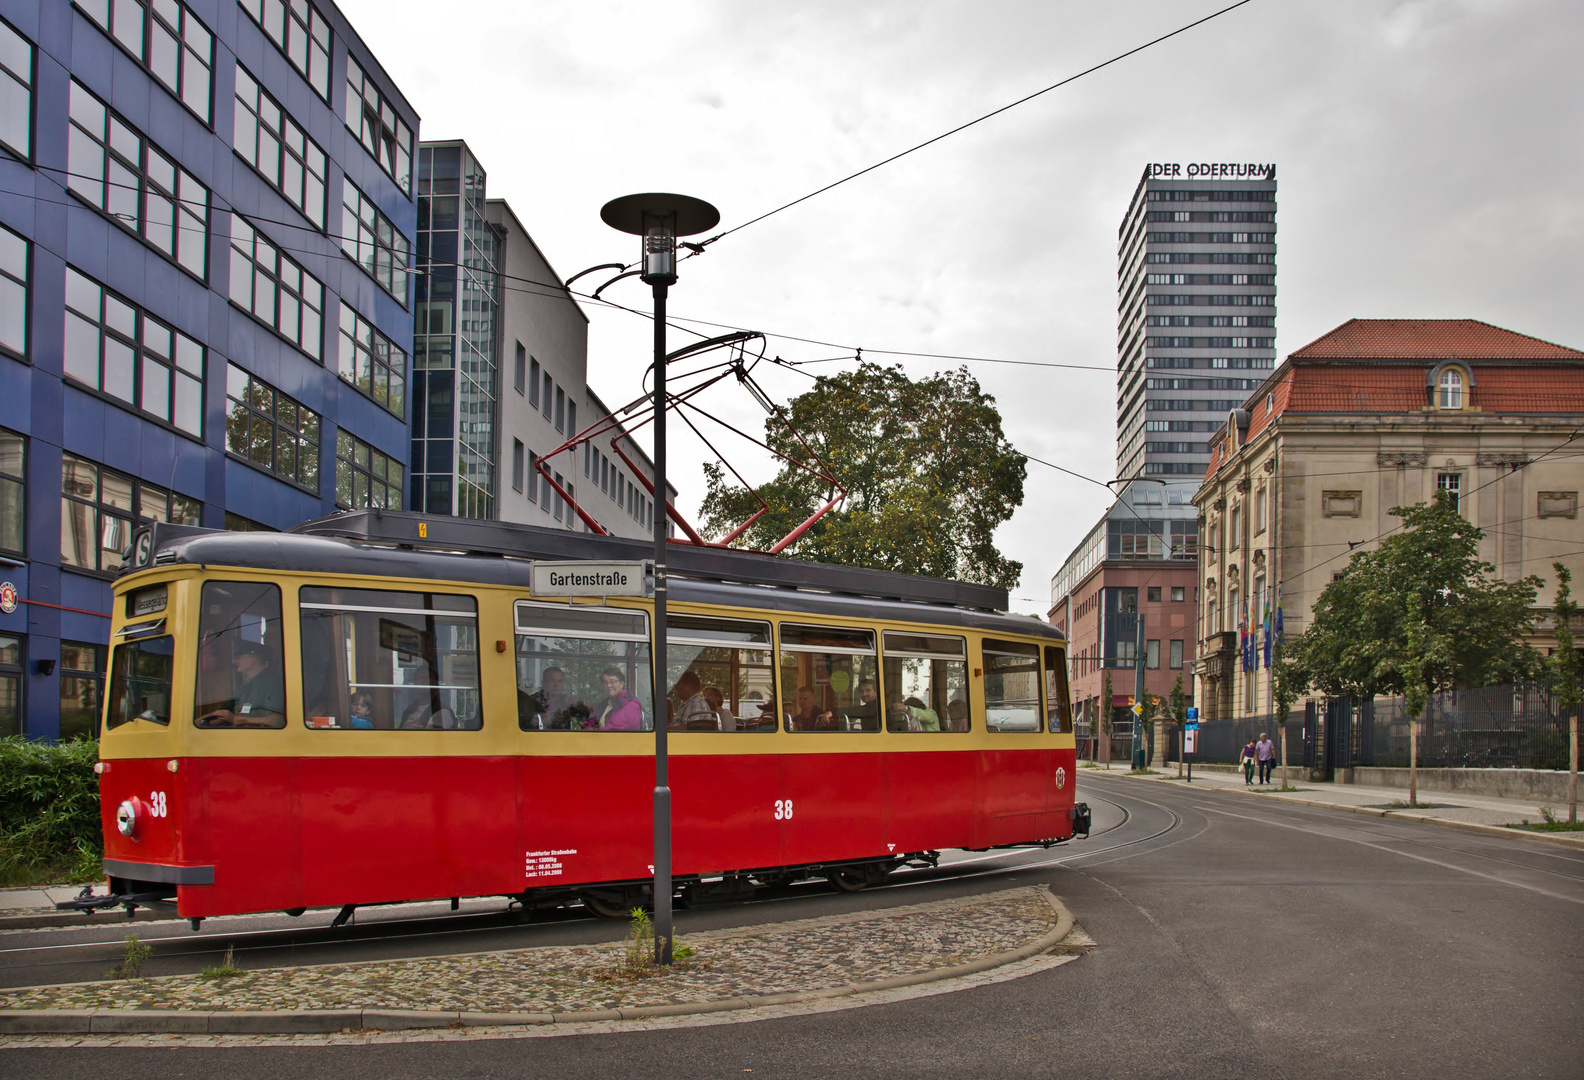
[{"x": 1196, "y": 310}]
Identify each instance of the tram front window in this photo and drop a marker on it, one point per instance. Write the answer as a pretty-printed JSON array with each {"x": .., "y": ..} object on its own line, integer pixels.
[
  {"x": 582, "y": 668},
  {"x": 720, "y": 675},
  {"x": 393, "y": 661},
  {"x": 239, "y": 680},
  {"x": 829, "y": 678},
  {"x": 140, "y": 681},
  {"x": 1012, "y": 686}
]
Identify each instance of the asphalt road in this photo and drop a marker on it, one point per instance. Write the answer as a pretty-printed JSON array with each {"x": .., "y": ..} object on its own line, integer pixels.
[{"x": 1237, "y": 938}]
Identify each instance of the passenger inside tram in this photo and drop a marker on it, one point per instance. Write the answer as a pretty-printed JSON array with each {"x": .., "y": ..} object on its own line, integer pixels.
[{"x": 620, "y": 710}]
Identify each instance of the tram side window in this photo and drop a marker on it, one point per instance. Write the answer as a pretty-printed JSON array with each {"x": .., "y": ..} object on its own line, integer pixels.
[
  {"x": 582, "y": 668},
  {"x": 829, "y": 679},
  {"x": 393, "y": 661},
  {"x": 240, "y": 668},
  {"x": 1012, "y": 682},
  {"x": 926, "y": 682},
  {"x": 1058, "y": 703},
  {"x": 720, "y": 675},
  {"x": 140, "y": 681}
]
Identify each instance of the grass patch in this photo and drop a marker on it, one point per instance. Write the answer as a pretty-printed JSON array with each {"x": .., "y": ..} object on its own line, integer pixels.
[
  {"x": 1282, "y": 787},
  {"x": 1550, "y": 824},
  {"x": 133, "y": 953},
  {"x": 1146, "y": 771},
  {"x": 227, "y": 968},
  {"x": 1404, "y": 804},
  {"x": 638, "y": 956},
  {"x": 49, "y": 813}
]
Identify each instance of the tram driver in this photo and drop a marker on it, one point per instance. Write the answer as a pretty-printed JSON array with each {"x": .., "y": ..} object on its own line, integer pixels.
[{"x": 260, "y": 699}]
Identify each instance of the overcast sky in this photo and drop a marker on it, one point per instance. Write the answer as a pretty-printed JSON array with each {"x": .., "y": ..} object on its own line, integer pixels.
[{"x": 1429, "y": 154}]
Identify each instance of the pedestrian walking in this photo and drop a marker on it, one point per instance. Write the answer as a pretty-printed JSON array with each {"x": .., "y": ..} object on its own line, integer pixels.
[
  {"x": 1265, "y": 752},
  {"x": 1247, "y": 760}
]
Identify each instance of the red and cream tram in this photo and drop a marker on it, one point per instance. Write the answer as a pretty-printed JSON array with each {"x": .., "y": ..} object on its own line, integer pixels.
[{"x": 376, "y": 708}]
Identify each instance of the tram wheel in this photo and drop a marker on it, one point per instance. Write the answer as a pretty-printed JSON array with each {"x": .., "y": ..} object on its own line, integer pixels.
[
  {"x": 850, "y": 880},
  {"x": 607, "y": 905}
]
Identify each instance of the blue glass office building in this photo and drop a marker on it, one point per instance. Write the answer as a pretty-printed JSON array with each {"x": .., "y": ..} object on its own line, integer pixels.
[{"x": 206, "y": 217}]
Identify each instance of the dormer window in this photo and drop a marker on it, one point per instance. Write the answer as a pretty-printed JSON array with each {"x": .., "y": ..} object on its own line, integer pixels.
[{"x": 1449, "y": 389}]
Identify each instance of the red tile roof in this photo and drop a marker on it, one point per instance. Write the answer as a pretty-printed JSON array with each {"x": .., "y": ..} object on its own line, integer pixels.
[
  {"x": 1359, "y": 368},
  {"x": 1431, "y": 339}
]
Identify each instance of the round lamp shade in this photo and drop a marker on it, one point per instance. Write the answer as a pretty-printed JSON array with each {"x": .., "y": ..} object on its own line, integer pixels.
[{"x": 692, "y": 215}]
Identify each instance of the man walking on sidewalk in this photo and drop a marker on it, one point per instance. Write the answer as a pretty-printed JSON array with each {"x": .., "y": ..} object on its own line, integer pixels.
[{"x": 1265, "y": 750}]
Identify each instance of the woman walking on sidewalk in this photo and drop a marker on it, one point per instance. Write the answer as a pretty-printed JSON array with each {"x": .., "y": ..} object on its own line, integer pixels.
[{"x": 1247, "y": 761}]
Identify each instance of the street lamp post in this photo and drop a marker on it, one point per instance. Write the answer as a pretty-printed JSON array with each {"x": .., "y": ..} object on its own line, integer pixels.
[{"x": 660, "y": 218}]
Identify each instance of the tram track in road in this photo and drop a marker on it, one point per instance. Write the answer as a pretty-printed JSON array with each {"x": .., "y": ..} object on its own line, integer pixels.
[{"x": 40, "y": 963}]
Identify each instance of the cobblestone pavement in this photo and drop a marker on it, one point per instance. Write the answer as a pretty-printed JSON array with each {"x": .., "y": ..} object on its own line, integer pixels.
[{"x": 805, "y": 955}]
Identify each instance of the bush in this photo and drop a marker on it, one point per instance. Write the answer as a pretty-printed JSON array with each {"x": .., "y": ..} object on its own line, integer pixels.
[{"x": 49, "y": 812}]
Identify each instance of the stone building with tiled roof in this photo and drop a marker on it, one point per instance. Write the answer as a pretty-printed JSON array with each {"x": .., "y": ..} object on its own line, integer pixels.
[{"x": 1375, "y": 414}]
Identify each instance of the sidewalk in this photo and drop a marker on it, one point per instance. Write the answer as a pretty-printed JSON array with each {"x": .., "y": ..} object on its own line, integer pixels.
[
  {"x": 804, "y": 960},
  {"x": 1477, "y": 813}
]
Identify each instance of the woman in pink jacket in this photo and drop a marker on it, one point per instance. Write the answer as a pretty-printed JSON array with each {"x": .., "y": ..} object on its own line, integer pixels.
[{"x": 621, "y": 711}]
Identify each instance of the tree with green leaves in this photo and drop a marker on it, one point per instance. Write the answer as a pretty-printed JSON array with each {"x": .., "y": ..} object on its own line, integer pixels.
[
  {"x": 1421, "y": 614},
  {"x": 1177, "y": 703},
  {"x": 929, "y": 475},
  {"x": 1564, "y": 665}
]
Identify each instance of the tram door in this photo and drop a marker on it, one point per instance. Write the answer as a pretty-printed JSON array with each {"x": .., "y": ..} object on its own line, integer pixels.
[
  {"x": 929, "y": 777},
  {"x": 832, "y": 799}
]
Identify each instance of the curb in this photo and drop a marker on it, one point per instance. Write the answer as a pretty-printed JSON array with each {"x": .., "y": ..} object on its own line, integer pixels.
[
  {"x": 1393, "y": 815},
  {"x": 328, "y": 1021}
]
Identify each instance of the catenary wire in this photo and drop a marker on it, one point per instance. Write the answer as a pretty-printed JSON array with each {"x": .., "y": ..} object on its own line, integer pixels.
[{"x": 978, "y": 120}]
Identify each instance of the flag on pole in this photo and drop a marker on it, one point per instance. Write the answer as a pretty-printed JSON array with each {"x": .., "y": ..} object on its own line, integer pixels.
[{"x": 1266, "y": 627}]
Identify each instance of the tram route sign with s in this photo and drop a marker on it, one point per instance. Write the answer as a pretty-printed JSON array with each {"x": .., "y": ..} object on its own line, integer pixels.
[{"x": 586, "y": 578}]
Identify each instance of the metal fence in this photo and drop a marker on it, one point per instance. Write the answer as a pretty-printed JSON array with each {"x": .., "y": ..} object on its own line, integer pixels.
[{"x": 1516, "y": 725}]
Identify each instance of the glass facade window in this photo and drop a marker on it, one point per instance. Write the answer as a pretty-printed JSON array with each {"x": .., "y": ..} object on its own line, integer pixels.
[
  {"x": 371, "y": 362},
  {"x": 14, "y": 270},
  {"x": 456, "y": 358},
  {"x": 373, "y": 119},
  {"x": 268, "y": 429},
  {"x": 114, "y": 168},
  {"x": 99, "y": 507},
  {"x": 81, "y": 687},
  {"x": 10, "y": 685},
  {"x": 365, "y": 478},
  {"x": 16, "y": 92},
  {"x": 374, "y": 243},
  {"x": 166, "y": 38},
  {"x": 13, "y": 492},
  {"x": 119, "y": 349},
  {"x": 299, "y": 31},
  {"x": 270, "y": 141},
  {"x": 275, "y": 289},
  {"x": 238, "y": 523}
]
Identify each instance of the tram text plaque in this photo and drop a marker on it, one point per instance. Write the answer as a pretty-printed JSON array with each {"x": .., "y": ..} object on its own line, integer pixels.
[{"x": 593, "y": 579}]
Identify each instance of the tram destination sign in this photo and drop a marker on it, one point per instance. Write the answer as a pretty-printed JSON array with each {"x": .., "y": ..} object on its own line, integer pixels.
[{"x": 582, "y": 578}]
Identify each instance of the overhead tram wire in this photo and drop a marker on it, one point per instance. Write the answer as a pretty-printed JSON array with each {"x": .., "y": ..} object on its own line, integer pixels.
[{"x": 698, "y": 248}]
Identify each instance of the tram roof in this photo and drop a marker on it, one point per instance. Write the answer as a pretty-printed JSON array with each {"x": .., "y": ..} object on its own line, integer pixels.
[{"x": 387, "y": 543}]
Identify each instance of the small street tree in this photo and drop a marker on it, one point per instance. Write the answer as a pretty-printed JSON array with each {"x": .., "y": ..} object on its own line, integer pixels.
[
  {"x": 1421, "y": 614},
  {"x": 1564, "y": 665},
  {"x": 1104, "y": 726},
  {"x": 1291, "y": 683},
  {"x": 929, "y": 475},
  {"x": 1178, "y": 710}
]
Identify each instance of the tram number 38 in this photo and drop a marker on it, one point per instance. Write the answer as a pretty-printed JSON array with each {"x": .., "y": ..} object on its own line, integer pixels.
[
  {"x": 157, "y": 804},
  {"x": 783, "y": 809}
]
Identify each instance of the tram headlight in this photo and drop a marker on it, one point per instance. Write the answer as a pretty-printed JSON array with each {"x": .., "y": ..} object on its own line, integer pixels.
[{"x": 127, "y": 819}]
